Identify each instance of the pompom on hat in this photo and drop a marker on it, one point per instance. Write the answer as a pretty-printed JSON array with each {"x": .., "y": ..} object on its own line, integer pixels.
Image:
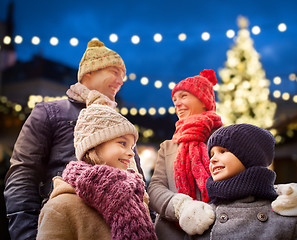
[
  {"x": 97, "y": 57},
  {"x": 99, "y": 123},
  {"x": 201, "y": 86},
  {"x": 252, "y": 145}
]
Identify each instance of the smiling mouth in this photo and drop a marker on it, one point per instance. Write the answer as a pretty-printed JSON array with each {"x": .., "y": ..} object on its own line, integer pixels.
[
  {"x": 217, "y": 170},
  {"x": 181, "y": 112},
  {"x": 125, "y": 161},
  {"x": 114, "y": 89}
]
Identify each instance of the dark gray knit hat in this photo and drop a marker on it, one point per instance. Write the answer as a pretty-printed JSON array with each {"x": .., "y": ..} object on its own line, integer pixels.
[{"x": 252, "y": 145}]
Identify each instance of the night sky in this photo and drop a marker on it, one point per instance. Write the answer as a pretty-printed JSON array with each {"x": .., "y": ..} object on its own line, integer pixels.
[{"x": 170, "y": 59}]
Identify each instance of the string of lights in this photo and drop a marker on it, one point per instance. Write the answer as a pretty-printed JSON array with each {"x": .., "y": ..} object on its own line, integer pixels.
[{"x": 135, "y": 39}]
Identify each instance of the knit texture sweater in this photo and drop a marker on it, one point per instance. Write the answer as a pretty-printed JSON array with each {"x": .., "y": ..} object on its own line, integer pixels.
[{"x": 116, "y": 194}]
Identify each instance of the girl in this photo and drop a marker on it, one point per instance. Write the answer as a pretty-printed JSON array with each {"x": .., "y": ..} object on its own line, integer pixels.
[{"x": 98, "y": 198}]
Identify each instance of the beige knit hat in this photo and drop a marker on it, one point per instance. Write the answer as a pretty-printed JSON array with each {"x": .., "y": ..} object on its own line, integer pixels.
[
  {"x": 97, "y": 57},
  {"x": 99, "y": 123}
]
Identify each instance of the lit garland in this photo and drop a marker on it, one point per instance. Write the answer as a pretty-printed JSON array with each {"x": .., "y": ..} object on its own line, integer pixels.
[
  {"x": 276, "y": 93},
  {"x": 135, "y": 39}
]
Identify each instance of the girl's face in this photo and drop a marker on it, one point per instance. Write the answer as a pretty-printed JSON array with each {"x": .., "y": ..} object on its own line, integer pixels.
[
  {"x": 187, "y": 104},
  {"x": 117, "y": 152},
  {"x": 224, "y": 164}
]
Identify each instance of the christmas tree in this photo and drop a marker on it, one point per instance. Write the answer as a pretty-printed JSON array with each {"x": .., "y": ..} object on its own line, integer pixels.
[{"x": 244, "y": 92}]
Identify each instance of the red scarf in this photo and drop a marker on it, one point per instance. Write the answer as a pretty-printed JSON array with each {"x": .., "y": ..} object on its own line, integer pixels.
[{"x": 192, "y": 160}]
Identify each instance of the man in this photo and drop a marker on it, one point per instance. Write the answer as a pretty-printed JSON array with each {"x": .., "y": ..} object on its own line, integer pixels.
[{"x": 45, "y": 143}]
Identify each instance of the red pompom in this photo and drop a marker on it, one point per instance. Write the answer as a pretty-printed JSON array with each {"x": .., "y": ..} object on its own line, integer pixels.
[{"x": 210, "y": 75}]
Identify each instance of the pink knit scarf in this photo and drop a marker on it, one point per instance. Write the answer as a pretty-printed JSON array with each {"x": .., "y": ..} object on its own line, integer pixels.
[
  {"x": 192, "y": 161},
  {"x": 114, "y": 193}
]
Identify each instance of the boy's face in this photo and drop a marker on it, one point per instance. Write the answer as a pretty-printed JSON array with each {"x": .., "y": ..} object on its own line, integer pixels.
[
  {"x": 107, "y": 81},
  {"x": 187, "y": 104},
  {"x": 224, "y": 164},
  {"x": 117, "y": 152}
]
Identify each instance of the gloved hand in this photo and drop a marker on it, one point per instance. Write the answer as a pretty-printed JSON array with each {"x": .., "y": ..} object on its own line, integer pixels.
[
  {"x": 194, "y": 216},
  {"x": 286, "y": 203}
]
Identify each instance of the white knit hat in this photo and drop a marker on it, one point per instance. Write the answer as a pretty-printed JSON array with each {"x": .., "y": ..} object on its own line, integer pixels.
[
  {"x": 97, "y": 57},
  {"x": 97, "y": 124}
]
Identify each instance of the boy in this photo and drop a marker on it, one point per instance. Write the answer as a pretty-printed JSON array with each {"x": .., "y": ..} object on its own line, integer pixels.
[{"x": 241, "y": 187}]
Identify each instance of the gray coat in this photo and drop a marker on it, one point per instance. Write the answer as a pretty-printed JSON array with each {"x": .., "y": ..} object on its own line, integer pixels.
[
  {"x": 245, "y": 219},
  {"x": 249, "y": 219}
]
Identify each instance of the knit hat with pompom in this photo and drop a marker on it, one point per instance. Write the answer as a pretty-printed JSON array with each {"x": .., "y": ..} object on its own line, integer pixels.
[
  {"x": 97, "y": 57},
  {"x": 99, "y": 123},
  {"x": 201, "y": 86}
]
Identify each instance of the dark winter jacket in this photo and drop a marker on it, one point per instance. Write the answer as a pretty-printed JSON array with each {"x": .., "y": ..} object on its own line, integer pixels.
[{"x": 42, "y": 150}]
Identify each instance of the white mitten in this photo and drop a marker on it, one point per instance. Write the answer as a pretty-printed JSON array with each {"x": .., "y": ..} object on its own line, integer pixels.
[
  {"x": 194, "y": 216},
  {"x": 286, "y": 203}
]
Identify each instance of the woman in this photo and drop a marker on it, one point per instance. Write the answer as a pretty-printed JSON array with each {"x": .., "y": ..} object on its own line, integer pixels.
[{"x": 182, "y": 165}]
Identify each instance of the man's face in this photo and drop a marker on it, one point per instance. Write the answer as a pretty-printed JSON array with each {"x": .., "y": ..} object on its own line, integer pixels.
[{"x": 107, "y": 81}]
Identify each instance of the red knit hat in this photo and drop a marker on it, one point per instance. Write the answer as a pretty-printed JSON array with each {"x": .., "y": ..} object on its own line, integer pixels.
[{"x": 201, "y": 86}]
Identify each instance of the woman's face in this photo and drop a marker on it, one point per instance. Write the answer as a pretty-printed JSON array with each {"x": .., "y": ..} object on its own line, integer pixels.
[{"x": 187, "y": 104}]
